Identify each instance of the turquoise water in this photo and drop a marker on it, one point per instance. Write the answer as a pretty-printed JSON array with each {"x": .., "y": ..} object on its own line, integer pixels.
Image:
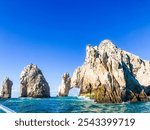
[
  {"x": 71, "y": 105},
  {"x": 1, "y": 111}
]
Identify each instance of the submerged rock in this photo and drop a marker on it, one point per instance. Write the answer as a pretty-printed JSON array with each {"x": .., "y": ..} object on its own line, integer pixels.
[
  {"x": 33, "y": 83},
  {"x": 65, "y": 85},
  {"x": 112, "y": 75},
  {"x": 6, "y": 88}
]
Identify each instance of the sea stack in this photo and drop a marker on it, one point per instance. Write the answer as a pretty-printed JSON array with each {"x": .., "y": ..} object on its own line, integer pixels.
[
  {"x": 33, "y": 84},
  {"x": 112, "y": 75},
  {"x": 6, "y": 88},
  {"x": 65, "y": 85}
]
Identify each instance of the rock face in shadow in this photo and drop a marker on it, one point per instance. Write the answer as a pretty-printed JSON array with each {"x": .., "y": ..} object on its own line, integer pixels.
[
  {"x": 33, "y": 83},
  {"x": 65, "y": 85},
  {"x": 112, "y": 75},
  {"x": 6, "y": 88}
]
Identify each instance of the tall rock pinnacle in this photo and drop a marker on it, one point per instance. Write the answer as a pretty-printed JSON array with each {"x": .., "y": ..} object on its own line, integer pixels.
[
  {"x": 65, "y": 85},
  {"x": 6, "y": 88},
  {"x": 33, "y": 83}
]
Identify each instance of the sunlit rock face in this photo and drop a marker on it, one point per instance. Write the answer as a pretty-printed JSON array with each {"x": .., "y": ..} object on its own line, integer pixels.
[
  {"x": 112, "y": 75},
  {"x": 6, "y": 88},
  {"x": 65, "y": 85},
  {"x": 33, "y": 84}
]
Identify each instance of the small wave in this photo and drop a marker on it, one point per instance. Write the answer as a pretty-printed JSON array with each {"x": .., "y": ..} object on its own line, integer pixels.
[
  {"x": 85, "y": 98},
  {"x": 125, "y": 102}
]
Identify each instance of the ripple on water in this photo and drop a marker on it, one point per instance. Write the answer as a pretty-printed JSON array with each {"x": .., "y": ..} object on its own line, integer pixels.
[{"x": 72, "y": 105}]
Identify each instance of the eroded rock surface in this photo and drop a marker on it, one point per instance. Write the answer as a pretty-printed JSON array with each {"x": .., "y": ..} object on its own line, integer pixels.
[
  {"x": 33, "y": 84},
  {"x": 112, "y": 75},
  {"x": 6, "y": 88},
  {"x": 65, "y": 85}
]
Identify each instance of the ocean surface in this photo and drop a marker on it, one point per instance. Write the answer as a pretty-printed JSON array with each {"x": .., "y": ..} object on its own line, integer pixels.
[{"x": 71, "y": 105}]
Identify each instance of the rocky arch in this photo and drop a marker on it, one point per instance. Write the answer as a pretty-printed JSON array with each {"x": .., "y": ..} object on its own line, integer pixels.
[{"x": 109, "y": 75}]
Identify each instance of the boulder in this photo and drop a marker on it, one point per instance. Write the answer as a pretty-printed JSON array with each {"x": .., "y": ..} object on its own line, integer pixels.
[{"x": 33, "y": 84}]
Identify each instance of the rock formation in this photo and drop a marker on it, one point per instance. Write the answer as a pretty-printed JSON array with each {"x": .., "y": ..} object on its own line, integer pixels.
[
  {"x": 65, "y": 85},
  {"x": 112, "y": 75},
  {"x": 6, "y": 88},
  {"x": 33, "y": 83}
]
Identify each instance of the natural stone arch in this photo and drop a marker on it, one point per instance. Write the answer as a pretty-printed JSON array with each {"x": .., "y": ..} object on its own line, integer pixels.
[{"x": 111, "y": 75}]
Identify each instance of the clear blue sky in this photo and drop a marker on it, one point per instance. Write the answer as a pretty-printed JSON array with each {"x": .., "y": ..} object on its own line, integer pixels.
[{"x": 53, "y": 33}]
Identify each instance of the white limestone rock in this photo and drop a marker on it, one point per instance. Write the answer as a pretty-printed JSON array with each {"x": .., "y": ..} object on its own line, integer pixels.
[{"x": 33, "y": 84}]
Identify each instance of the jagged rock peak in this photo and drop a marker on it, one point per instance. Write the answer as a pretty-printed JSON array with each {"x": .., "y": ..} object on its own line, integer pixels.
[
  {"x": 33, "y": 83},
  {"x": 65, "y": 85},
  {"x": 28, "y": 68},
  {"x": 6, "y": 88},
  {"x": 107, "y": 44}
]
